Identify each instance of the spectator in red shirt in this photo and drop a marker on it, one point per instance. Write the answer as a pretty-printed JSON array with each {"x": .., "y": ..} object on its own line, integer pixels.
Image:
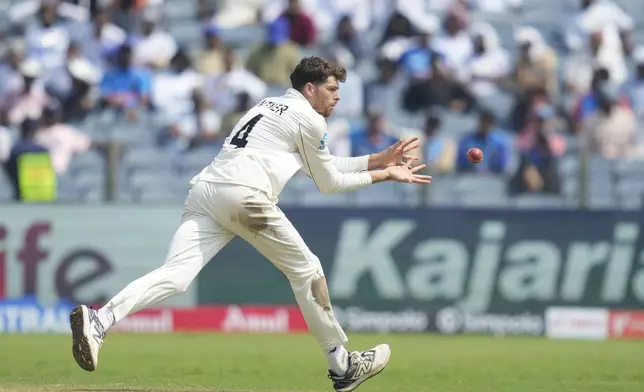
[{"x": 302, "y": 27}]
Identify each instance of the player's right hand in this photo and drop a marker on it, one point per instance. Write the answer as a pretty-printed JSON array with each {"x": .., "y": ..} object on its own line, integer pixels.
[{"x": 408, "y": 174}]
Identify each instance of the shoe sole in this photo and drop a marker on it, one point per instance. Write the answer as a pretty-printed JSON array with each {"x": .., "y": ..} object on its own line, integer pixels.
[
  {"x": 355, "y": 386},
  {"x": 80, "y": 342}
]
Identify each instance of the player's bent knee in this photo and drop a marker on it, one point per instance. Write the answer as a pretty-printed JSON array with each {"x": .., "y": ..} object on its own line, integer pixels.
[
  {"x": 320, "y": 291},
  {"x": 313, "y": 284},
  {"x": 305, "y": 271}
]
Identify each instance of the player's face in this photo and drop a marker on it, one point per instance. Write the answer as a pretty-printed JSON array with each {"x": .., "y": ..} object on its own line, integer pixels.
[{"x": 325, "y": 96}]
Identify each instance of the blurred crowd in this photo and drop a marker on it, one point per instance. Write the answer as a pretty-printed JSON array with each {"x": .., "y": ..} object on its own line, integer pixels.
[{"x": 457, "y": 73}]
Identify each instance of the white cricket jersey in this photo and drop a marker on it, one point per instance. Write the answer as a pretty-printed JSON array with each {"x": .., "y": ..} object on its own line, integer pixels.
[{"x": 275, "y": 139}]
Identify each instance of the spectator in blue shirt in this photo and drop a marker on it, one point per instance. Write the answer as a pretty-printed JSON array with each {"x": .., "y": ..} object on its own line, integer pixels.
[
  {"x": 493, "y": 143},
  {"x": 440, "y": 151},
  {"x": 373, "y": 137},
  {"x": 417, "y": 61},
  {"x": 124, "y": 86},
  {"x": 429, "y": 82},
  {"x": 539, "y": 147}
]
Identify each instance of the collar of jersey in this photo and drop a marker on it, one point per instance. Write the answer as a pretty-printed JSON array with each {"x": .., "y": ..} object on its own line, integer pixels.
[{"x": 296, "y": 94}]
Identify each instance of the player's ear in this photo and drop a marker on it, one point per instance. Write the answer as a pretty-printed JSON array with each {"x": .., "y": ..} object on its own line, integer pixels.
[{"x": 309, "y": 88}]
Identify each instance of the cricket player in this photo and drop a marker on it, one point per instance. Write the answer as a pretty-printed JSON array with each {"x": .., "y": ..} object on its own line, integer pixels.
[{"x": 236, "y": 195}]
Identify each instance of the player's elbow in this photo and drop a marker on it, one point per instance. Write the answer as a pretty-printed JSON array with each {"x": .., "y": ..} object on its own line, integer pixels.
[
  {"x": 329, "y": 188},
  {"x": 326, "y": 190}
]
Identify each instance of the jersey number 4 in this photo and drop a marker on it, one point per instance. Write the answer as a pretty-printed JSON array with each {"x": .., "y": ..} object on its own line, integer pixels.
[{"x": 239, "y": 140}]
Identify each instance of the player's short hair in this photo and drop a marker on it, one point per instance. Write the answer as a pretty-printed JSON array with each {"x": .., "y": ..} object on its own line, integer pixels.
[{"x": 316, "y": 70}]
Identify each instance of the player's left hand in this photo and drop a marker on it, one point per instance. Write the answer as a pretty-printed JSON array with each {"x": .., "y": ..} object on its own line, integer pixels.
[
  {"x": 407, "y": 174},
  {"x": 396, "y": 154}
]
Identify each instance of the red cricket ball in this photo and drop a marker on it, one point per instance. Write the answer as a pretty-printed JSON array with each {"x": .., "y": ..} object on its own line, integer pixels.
[{"x": 475, "y": 155}]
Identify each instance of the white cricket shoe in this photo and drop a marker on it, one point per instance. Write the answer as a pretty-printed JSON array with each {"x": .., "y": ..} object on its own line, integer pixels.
[
  {"x": 362, "y": 366},
  {"x": 87, "y": 335}
]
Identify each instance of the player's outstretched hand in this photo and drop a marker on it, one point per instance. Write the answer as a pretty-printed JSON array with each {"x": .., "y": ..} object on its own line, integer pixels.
[
  {"x": 408, "y": 174},
  {"x": 397, "y": 154}
]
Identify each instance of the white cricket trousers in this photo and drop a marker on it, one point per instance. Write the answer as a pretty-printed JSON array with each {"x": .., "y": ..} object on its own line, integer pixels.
[{"x": 213, "y": 215}]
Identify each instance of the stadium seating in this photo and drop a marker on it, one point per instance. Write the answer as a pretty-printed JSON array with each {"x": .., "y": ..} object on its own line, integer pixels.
[{"x": 148, "y": 174}]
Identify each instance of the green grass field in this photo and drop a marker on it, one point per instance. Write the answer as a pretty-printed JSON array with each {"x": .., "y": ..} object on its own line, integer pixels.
[{"x": 205, "y": 362}]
